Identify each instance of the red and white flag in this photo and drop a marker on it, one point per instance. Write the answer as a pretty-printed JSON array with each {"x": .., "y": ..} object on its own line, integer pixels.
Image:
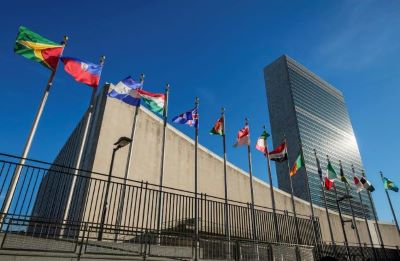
[
  {"x": 279, "y": 154},
  {"x": 358, "y": 184},
  {"x": 243, "y": 137}
]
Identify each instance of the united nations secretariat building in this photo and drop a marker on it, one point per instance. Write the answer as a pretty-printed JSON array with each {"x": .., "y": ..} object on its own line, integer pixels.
[{"x": 86, "y": 213}]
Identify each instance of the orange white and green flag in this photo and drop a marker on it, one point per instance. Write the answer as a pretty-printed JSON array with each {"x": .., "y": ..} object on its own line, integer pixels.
[
  {"x": 35, "y": 47},
  {"x": 297, "y": 165}
]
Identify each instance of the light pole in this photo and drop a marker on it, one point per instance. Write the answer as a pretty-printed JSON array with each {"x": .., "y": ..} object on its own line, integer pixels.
[
  {"x": 342, "y": 221},
  {"x": 122, "y": 142}
]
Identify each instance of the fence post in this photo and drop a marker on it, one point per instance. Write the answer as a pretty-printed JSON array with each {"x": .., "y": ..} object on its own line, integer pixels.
[
  {"x": 238, "y": 254},
  {"x": 82, "y": 240}
]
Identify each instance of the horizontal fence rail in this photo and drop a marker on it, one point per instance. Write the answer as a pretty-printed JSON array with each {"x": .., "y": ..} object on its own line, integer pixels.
[{"x": 115, "y": 216}]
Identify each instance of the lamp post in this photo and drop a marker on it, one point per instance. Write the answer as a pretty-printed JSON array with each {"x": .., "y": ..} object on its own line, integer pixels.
[
  {"x": 122, "y": 142},
  {"x": 342, "y": 221}
]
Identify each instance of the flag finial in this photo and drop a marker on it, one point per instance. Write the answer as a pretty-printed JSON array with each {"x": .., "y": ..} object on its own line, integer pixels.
[
  {"x": 264, "y": 127},
  {"x": 196, "y": 101},
  {"x": 246, "y": 121},
  {"x": 142, "y": 78},
  {"x": 167, "y": 87},
  {"x": 380, "y": 172},
  {"x": 65, "y": 40},
  {"x": 102, "y": 59}
]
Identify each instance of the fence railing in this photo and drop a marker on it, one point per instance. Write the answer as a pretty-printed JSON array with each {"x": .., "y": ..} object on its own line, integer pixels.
[
  {"x": 42, "y": 190},
  {"x": 132, "y": 226}
]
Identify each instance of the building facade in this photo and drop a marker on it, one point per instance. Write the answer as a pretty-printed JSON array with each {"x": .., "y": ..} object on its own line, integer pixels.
[
  {"x": 112, "y": 120},
  {"x": 312, "y": 114}
]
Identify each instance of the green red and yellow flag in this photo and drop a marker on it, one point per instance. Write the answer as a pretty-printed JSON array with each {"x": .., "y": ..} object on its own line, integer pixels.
[
  {"x": 218, "y": 128},
  {"x": 297, "y": 165},
  {"x": 35, "y": 47}
]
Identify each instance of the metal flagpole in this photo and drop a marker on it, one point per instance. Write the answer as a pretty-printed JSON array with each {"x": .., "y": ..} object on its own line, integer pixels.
[
  {"x": 14, "y": 180},
  {"x": 196, "y": 204},
  {"x": 81, "y": 149},
  {"x": 310, "y": 199},
  {"x": 391, "y": 206},
  {"x": 227, "y": 225},
  {"x": 346, "y": 185},
  {"x": 128, "y": 164},
  {"x": 291, "y": 194},
  {"x": 253, "y": 211},
  {"x": 160, "y": 196},
  {"x": 375, "y": 217},
  {"x": 253, "y": 216},
  {"x": 324, "y": 197},
  {"x": 365, "y": 217},
  {"x": 271, "y": 190}
]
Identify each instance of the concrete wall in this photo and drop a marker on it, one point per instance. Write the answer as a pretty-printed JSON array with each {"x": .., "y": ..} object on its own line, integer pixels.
[{"x": 179, "y": 167}]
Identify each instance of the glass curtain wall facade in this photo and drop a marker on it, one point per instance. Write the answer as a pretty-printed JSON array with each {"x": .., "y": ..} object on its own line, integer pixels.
[{"x": 312, "y": 114}]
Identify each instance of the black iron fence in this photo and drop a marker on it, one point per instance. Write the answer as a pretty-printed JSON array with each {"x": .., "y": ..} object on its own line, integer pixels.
[
  {"x": 137, "y": 218},
  {"x": 42, "y": 192}
]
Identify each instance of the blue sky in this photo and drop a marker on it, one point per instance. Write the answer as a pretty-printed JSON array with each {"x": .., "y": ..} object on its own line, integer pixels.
[{"x": 215, "y": 50}]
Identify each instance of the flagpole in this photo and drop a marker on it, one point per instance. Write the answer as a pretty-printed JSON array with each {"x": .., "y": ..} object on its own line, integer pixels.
[
  {"x": 14, "y": 180},
  {"x": 227, "y": 225},
  {"x": 391, "y": 206},
  {"x": 351, "y": 208},
  {"x": 310, "y": 199},
  {"x": 160, "y": 196},
  {"x": 128, "y": 163},
  {"x": 375, "y": 217},
  {"x": 324, "y": 197},
  {"x": 196, "y": 210},
  {"x": 291, "y": 194},
  {"x": 81, "y": 149},
  {"x": 253, "y": 216},
  {"x": 271, "y": 189},
  {"x": 365, "y": 216},
  {"x": 340, "y": 215}
]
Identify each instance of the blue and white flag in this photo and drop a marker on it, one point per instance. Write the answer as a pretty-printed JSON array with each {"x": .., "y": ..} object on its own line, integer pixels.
[
  {"x": 190, "y": 118},
  {"x": 125, "y": 91}
]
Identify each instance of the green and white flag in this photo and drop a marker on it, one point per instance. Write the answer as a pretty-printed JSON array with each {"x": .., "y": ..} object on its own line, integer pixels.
[{"x": 156, "y": 101}]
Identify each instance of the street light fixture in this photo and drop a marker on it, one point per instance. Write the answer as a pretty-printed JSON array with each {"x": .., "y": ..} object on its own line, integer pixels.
[
  {"x": 122, "y": 142},
  {"x": 344, "y": 197},
  {"x": 342, "y": 221}
]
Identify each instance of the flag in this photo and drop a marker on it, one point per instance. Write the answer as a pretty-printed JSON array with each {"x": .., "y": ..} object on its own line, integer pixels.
[
  {"x": 319, "y": 168},
  {"x": 155, "y": 101},
  {"x": 279, "y": 154},
  {"x": 81, "y": 71},
  {"x": 243, "y": 137},
  {"x": 330, "y": 176},
  {"x": 358, "y": 184},
  {"x": 297, "y": 165},
  {"x": 342, "y": 176},
  {"x": 366, "y": 184},
  {"x": 218, "y": 128},
  {"x": 261, "y": 144},
  {"x": 37, "y": 48},
  {"x": 190, "y": 118},
  {"x": 125, "y": 91},
  {"x": 388, "y": 184}
]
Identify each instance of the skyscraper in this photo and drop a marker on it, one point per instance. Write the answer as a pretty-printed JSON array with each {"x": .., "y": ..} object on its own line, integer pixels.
[{"x": 312, "y": 114}]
